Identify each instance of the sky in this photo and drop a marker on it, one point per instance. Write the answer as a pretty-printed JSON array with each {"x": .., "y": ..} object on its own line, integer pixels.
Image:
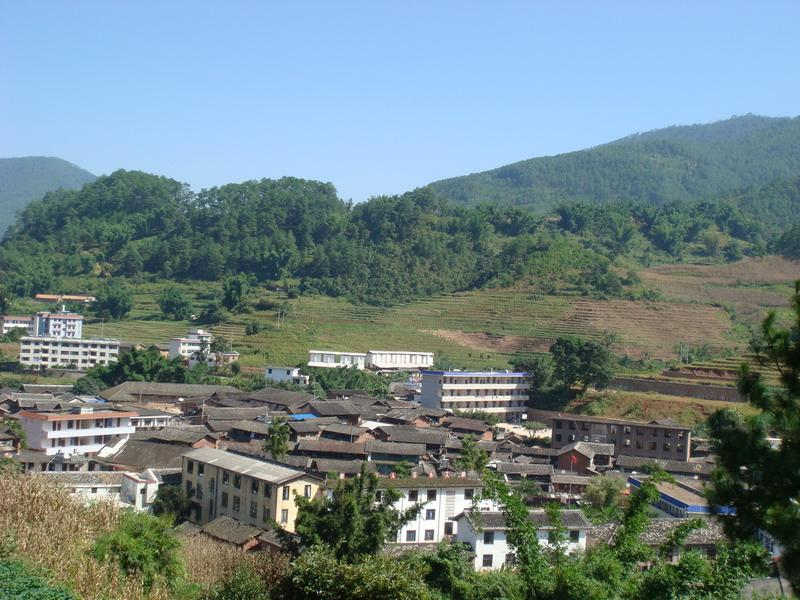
[{"x": 375, "y": 97}]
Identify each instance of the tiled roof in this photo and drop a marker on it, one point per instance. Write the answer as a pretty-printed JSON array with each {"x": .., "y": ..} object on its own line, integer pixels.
[
  {"x": 349, "y": 467},
  {"x": 569, "y": 479},
  {"x": 495, "y": 521},
  {"x": 671, "y": 466},
  {"x": 589, "y": 449},
  {"x": 230, "y": 530},
  {"x": 213, "y": 413},
  {"x": 176, "y": 434},
  {"x": 509, "y": 468},
  {"x": 465, "y": 424},
  {"x": 331, "y": 447},
  {"x": 130, "y": 391},
  {"x": 415, "y": 435},
  {"x": 378, "y": 447},
  {"x": 140, "y": 454},
  {"x": 659, "y": 530},
  {"x": 343, "y": 429}
]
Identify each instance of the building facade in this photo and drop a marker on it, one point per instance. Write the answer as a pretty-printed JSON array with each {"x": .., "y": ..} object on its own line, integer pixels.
[
  {"x": 53, "y": 352},
  {"x": 662, "y": 439},
  {"x": 17, "y": 322},
  {"x": 82, "y": 430},
  {"x": 485, "y": 533},
  {"x": 251, "y": 491},
  {"x": 398, "y": 360},
  {"x": 286, "y": 375},
  {"x": 333, "y": 360},
  {"x": 57, "y": 325},
  {"x": 198, "y": 340},
  {"x": 501, "y": 393}
]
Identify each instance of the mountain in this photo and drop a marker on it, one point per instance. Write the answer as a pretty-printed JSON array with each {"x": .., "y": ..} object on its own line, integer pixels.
[
  {"x": 29, "y": 178},
  {"x": 677, "y": 163}
]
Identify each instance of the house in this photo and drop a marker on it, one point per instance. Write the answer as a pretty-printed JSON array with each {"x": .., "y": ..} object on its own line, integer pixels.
[
  {"x": 79, "y": 430},
  {"x": 700, "y": 469},
  {"x": 519, "y": 471},
  {"x": 88, "y": 486},
  {"x": 584, "y": 458},
  {"x": 60, "y": 324},
  {"x": 245, "y": 537},
  {"x": 41, "y": 353},
  {"x": 684, "y": 498},
  {"x": 197, "y": 340},
  {"x": 433, "y": 439},
  {"x": 569, "y": 485},
  {"x": 331, "y": 449},
  {"x": 213, "y": 359},
  {"x": 150, "y": 418},
  {"x": 504, "y": 394},
  {"x": 659, "y": 439},
  {"x": 386, "y": 454},
  {"x": 286, "y": 375},
  {"x": 11, "y": 322},
  {"x": 139, "y": 490},
  {"x": 150, "y": 392},
  {"x": 442, "y": 500},
  {"x": 398, "y": 360},
  {"x": 334, "y": 360},
  {"x": 345, "y": 433},
  {"x": 485, "y": 533},
  {"x": 251, "y": 491},
  {"x": 461, "y": 426}
]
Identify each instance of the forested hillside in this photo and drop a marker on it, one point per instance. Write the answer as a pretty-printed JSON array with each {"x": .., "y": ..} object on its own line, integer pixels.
[
  {"x": 674, "y": 164},
  {"x": 385, "y": 251},
  {"x": 30, "y": 178}
]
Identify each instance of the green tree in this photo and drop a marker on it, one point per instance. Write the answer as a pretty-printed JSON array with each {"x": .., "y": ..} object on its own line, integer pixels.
[
  {"x": 242, "y": 584},
  {"x": 142, "y": 546},
  {"x": 15, "y": 427},
  {"x": 174, "y": 304},
  {"x": 172, "y": 502},
  {"x": 114, "y": 301},
  {"x": 19, "y": 581},
  {"x": 540, "y": 367},
  {"x": 277, "y": 440},
  {"x": 139, "y": 365},
  {"x": 234, "y": 292},
  {"x": 602, "y": 496},
  {"x": 759, "y": 479},
  {"x": 472, "y": 457},
  {"x": 88, "y": 386},
  {"x": 5, "y": 300},
  {"x": 581, "y": 362},
  {"x": 350, "y": 521}
]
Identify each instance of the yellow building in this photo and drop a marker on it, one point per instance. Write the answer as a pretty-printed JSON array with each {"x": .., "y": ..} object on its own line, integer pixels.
[{"x": 246, "y": 489}]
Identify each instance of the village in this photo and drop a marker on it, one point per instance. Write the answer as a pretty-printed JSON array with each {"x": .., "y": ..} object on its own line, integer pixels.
[{"x": 430, "y": 439}]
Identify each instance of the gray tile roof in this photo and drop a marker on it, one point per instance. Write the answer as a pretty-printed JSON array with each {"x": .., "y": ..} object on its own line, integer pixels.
[
  {"x": 509, "y": 468},
  {"x": 91, "y": 478},
  {"x": 465, "y": 424},
  {"x": 414, "y": 435},
  {"x": 659, "y": 530},
  {"x": 349, "y": 467},
  {"x": 137, "y": 455},
  {"x": 589, "y": 449},
  {"x": 378, "y": 447},
  {"x": 671, "y": 466},
  {"x": 496, "y": 521},
  {"x": 131, "y": 391},
  {"x": 230, "y": 530},
  {"x": 184, "y": 434},
  {"x": 331, "y": 447}
]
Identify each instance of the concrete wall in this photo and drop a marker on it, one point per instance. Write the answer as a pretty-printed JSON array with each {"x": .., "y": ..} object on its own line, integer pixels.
[{"x": 677, "y": 388}]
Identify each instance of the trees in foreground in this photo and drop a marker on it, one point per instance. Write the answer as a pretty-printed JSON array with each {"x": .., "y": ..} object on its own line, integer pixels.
[{"x": 761, "y": 479}]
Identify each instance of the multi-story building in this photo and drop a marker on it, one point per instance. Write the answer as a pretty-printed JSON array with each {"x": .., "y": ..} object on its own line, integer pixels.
[
  {"x": 53, "y": 352},
  {"x": 485, "y": 533},
  {"x": 17, "y": 322},
  {"x": 198, "y": 340},
  {"x": 61, "y": 324},
  {"x": 251, "y": 491},
  {"x": 442, "y": 499},
  {"x": 333, "y": 360},
  {"x": 661, "y": 439},
  {"x": 286, "y": 375},
  {"x": 80, "y": 430},
  {"x": 501, "y": 393},
  {"x": 398, "y": 360}
]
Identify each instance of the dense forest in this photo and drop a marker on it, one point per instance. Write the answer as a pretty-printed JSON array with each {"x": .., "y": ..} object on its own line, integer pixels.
[
  {"x": 384, "y": 251},
  {"x": 673, "y": 164},
  {"x": 25, "y": 179}
]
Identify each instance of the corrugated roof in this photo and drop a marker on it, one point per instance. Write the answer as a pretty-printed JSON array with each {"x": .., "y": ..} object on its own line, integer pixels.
[{"x": 244, "y": 465}]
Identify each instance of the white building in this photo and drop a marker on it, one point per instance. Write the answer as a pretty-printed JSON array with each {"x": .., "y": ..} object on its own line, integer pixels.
[
  {"x": 60, "y": 324},
  {"x": 485, "y": 533},
  {"x": 398, "y": 360},
  {"x": 129, "y": 490},
  {"x": 334, "y": 360},
  {"x": 53, "y": 352},
  {"x": 198, "y": 340},
  {"x": 17, "y": 322},
  {"x": 502, "y": 393},
  {"x": 150, "y": 418},
  {"x": 442, "y": 498},
  {"x": 82, "y": 430},
  {"x": 286, "y": 375}
]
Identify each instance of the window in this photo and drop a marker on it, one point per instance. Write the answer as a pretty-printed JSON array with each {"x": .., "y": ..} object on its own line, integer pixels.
[
  {"x": 93, "y": 491},
  {"x": 224, "y": 501},
  {"x": 190, "y": 466},
  {"x": 431, "y": 495},
  {"x": 469, "y": 493},
  {"x": 488, "y": 537},
  {"x": 254, "y": 486},
  {"x": 285, "y": 495},
  {"x": 574, "y": 535},
  {"x": 639, "y": 444},
  {"x": 201, "y": 469},
  {"x": 236, "y": 503},
  {"x": 266, "y": 516},
  {"x": 411, "y": 536},
  {"x": 267, "y": 490},
  {"x": 558, "y": 437},
  {"x": 667, "y": 447},
  {"x": 237, "y": 481},
  {"x": 307, "y": 491},
  {"x": 487, "y": 560},
  {"x": 413, "y": 495},
  {"x": 667, "y": 434},
  {"x": 627, "y": 443},
  {"x": 572, "y": 424},
  {"x": 430, "y": 514},
  {"x": 652, "y": 445},
  {"x": 429, "y": 535},
  {"x": 211, "y": 486},
  {"x": 198, "y": 492},
  {"x": 253, "y": 509},
  {"x": 511, "y": 558},
  {"x": 285, "y": 515},
  {"x": 188, "y": 488},
  {"x": 448, "y": 528}
]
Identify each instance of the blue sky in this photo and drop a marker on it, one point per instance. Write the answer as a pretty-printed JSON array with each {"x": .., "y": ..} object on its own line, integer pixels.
[{"x": 376, "y": 97}]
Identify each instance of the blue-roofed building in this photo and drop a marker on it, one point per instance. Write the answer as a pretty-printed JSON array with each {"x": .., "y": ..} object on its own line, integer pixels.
[
  {"x": 502, "y": 393},
  {"x": 682, "y": 499},
  {"x": 302, "y": 416}
]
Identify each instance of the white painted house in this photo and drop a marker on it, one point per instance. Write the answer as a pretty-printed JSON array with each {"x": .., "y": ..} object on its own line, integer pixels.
[
  {"x": 496, "y": 392},
  {"x": 485, "y": 533},
  {"x": 60, "y": 324},
  {"x": 286, "y": 375},
  {"x": 443, "y": 500},
  {"x": 333, "y": 360},
  {"x": 17, "y": 322},
  {"x": 53, "y": 352},
  {"x": 81, "y": 430},
  {"x": 398, "y": 360},
  {"x": 196, "y": 341}
]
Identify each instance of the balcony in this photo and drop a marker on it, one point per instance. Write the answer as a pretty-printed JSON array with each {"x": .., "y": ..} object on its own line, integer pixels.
[
  {"x": 90, "y": 432},
  {"x": 519, "y": 385}
]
